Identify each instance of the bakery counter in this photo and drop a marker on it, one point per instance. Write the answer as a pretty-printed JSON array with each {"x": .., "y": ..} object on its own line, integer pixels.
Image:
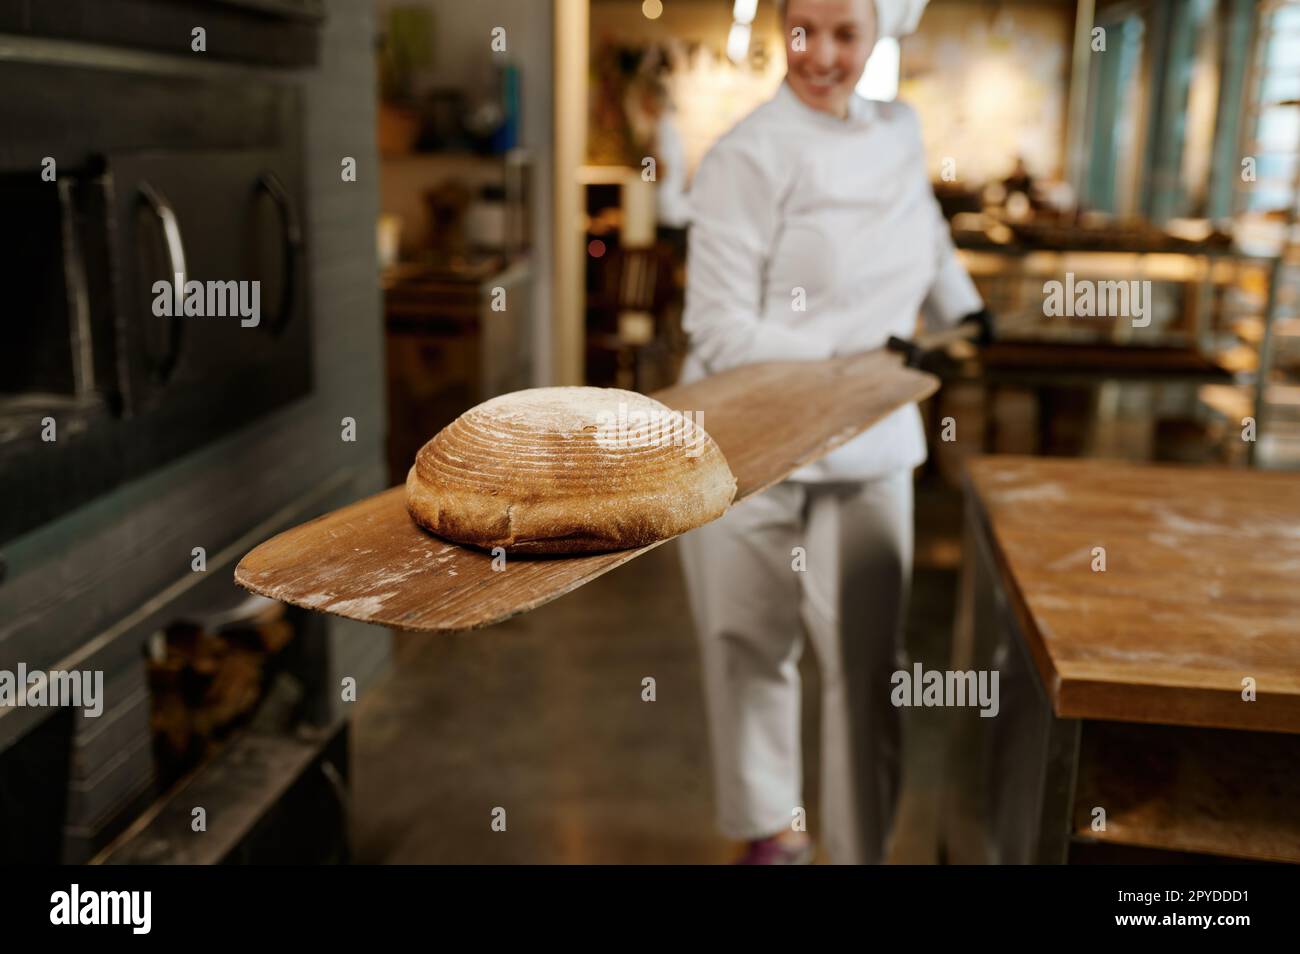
[{"x": 1144, "y": 626}]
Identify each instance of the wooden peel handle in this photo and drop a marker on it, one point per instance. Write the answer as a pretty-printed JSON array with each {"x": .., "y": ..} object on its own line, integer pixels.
[
  {"x": 917, "y": 349},
  {"x": 930, "y": 341}
]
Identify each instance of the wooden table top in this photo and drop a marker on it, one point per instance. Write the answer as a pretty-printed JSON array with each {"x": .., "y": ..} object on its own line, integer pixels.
[{"x": 1201, "y": 587}]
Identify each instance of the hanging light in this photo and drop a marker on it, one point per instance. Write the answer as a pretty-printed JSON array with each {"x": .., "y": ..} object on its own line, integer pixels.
[
  {"x": 744, "y": 10},
  {"x": 738, "y": 43}
]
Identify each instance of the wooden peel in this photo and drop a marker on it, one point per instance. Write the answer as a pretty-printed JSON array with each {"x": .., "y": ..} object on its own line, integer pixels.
[{"x": 370, "y": 562}]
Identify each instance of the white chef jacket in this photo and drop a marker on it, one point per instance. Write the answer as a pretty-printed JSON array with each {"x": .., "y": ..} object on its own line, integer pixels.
[{"x": 797, "y": 207}]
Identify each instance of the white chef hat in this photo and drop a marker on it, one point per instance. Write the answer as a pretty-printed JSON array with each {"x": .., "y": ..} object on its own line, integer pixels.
[
  {"x": 895, "y": 18},
  {"x": 898, "y": 18}
]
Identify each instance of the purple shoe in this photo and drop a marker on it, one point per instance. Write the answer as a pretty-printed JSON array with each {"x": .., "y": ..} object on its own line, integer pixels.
[{"x": 771, "y": 851}]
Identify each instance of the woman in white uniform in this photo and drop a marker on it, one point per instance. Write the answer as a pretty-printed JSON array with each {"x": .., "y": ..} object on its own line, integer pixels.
[{"x": 814, "y": 233}]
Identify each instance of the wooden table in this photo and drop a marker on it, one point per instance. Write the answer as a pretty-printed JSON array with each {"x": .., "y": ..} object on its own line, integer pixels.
[{"x": 1121, "y": 689}]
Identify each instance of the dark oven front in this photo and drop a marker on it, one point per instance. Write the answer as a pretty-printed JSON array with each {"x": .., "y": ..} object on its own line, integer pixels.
[{"x": 117, "y": 189}]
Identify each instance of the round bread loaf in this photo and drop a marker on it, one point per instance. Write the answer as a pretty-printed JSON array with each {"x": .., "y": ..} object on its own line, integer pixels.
[{"x": 568, "y": 470}]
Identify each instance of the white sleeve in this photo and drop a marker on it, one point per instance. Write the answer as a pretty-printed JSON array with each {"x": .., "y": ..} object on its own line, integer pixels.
[
  {"x": 735, "y": 205},
  {"x": 952, "y": 295}
]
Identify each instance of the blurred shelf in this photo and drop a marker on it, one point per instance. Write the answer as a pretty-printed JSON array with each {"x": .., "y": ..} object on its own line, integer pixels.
[
  {"x": 456, "y": 156},
  {"x": 1231, "y": 402},
  {"x": 1220, "y": 267},
  {"x": 1210, "y": 791},
  {"x": 606, "y": 175},
  {"x": 1110, "y": 360}
]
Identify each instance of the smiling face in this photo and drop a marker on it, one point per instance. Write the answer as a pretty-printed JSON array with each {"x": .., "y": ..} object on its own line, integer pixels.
[{"x": 827, "y": 43}]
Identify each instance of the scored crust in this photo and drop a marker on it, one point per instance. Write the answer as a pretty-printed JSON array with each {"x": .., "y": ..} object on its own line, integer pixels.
[{"x": 568, "y": 470}]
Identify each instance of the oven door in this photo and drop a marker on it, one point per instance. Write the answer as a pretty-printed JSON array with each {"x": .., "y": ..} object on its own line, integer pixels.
[
  {"x": 153, "y": 170},
  {"x": 226, "y": 225}
]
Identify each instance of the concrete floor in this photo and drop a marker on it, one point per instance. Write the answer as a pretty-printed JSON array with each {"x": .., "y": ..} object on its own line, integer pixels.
[{"x": 543, "y": 716}]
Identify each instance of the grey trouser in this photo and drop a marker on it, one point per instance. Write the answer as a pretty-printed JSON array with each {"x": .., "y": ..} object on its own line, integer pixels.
[{"x": 752, "y": 606}]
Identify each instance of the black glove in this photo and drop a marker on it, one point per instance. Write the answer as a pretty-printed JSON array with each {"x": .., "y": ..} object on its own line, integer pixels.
[{"x": 984, "y": 319}]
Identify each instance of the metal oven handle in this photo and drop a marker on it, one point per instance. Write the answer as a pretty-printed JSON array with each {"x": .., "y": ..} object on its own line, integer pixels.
[
  {"x": 175, "y": 249},
  {"x": 292, "y": 238}
]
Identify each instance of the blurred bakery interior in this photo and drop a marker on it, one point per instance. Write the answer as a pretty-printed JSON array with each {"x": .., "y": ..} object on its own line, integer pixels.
[
  {"x": 516, "y": 214},
  {"x": 1169, "y": 161}
]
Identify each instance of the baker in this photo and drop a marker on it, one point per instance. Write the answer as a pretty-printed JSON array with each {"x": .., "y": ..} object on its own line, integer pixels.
[{"x": 815, "y": 233}]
